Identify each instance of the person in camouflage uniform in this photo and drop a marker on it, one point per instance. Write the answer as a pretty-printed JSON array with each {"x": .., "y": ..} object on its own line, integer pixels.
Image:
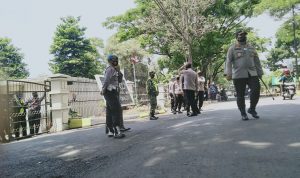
[{"x": 152, "y": 94}]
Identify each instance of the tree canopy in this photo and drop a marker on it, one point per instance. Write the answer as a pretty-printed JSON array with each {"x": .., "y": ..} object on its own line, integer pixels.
[
  {"x": 288, "y": 35},
  {"x": 11, "y": 61},
  {"x": 74, "y": 54},
  {"x": 184, "y": 30}
]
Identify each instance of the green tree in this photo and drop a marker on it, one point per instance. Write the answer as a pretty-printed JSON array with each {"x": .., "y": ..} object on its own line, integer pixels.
[
  {"x": 74, "y": 54},
  {"x": 180, "y": 30},
  {"x": 278, "y": 8},
  {"x": 284, "y": 44},
  {"x": 11, "y": 61},
  {"x": 126, "y": 51},
  {"x": 288, "y": 35}
]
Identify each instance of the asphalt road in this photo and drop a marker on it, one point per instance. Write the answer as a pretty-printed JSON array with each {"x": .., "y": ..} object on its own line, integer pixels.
[{"x": 215, "y": 144}]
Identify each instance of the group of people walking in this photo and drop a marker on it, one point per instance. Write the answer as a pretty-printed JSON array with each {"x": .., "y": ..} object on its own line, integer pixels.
[{"x": 242, "y": 66}]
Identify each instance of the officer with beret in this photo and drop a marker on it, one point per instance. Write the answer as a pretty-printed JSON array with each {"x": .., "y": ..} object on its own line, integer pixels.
[{"x": 243, "y": 66}]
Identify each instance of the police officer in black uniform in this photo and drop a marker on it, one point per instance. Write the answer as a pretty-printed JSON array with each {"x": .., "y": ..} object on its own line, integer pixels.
[
  {"x": 243, "y": 66},
  {"x": 110, "y": 90}
]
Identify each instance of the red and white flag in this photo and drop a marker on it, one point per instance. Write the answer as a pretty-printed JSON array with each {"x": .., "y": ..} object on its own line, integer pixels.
[{"x": 134, "y": 59}]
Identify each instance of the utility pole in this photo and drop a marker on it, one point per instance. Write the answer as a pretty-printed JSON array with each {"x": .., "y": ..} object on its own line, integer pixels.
[{"x": 295, "y": 44}]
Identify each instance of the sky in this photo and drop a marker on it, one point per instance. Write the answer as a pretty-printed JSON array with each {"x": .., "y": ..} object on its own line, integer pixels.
[{"x": 31, "y": 24}]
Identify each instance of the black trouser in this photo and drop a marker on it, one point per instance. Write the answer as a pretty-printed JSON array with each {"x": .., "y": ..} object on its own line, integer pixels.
[
  {"x": 190, "y": 99},
  {"x": 200, "y": 98},
  {"x": 178, "y": 101},
  {"x": 206, "y": 95},
  {"x": 20, "y": 121},
  {"x": 113, "y": 109},
  {"x": 172, "y": 101},
  {"x": 34, "y": 118},
  {"x": 240, "y": 86}
]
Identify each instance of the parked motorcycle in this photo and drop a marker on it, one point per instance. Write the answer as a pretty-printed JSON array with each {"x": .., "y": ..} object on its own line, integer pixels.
[{"x": 289, "y": 90}]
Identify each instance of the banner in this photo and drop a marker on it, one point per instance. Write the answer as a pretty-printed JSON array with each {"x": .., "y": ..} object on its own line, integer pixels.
[{"x": 125, "y": 97}]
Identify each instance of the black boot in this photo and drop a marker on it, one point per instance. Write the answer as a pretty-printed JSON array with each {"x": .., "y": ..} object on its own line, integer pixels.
[
  {"x": 253, "y": 113},
  {"x": 118, "y": 133},
  {"x": 153, "y": 118},
  {"x": 124, "y": 129},
  {"x": 244, "y": 117}
]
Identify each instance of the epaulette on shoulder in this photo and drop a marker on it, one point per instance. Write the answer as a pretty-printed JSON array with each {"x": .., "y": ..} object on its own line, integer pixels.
[{"x": 237, "y": 46}]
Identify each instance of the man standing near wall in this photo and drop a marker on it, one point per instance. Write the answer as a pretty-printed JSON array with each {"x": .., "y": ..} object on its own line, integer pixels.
[{"x": 110, "y": 90}]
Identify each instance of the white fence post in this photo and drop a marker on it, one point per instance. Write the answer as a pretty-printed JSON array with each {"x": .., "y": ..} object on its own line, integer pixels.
[
  {"x": 161, "y": 96},
  {"x": 59, "y": 99}
]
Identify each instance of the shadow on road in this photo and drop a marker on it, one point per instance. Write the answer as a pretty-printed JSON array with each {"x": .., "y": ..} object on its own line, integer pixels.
[{"x": 214, "y": 144}]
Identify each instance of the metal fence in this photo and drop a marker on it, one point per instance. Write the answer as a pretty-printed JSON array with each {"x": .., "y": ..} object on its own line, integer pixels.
[
  {"x": 24, "y": 115},
  {"x": 84, "y": 97}
]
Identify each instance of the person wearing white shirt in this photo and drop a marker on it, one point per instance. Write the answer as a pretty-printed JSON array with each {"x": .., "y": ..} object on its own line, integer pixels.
[
  {"x": 200, "y": 94},
  {"x": 178, "y": 93}
]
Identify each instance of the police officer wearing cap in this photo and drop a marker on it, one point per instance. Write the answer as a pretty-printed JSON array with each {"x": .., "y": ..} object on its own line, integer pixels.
[
  {"x": 243, "y": 67},
  {"x": 110, "y": 90}
]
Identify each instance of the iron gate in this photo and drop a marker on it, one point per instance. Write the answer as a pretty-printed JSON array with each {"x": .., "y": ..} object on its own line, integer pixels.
[{"x": 27, "y": 106}]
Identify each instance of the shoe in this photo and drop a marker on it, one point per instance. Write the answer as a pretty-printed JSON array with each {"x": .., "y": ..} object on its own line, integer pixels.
[
  {"x": 174, "y": 112},
  {"x": 192, "y": 114},
  {"x": 156, "y": 117},
  {"x": 119, "y": 135},
  {"x": 253, "y": 113},
  {"x": 245, "y": 117},
  {"x": 179, "y": 112},
  {"x": 153, "y": 118},
  {"x": 110, "y": 134},
  {"x": 123, "y": 129},
  {"x": 198, "y": 112}
]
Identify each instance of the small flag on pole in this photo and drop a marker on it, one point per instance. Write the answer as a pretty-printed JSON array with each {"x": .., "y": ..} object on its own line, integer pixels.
[{"x": 134, "y": 59}]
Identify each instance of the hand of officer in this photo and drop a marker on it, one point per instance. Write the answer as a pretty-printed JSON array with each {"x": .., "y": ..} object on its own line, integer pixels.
[
  {"x": 102, "y": 92},
  {"x": 228, "y": 77}
]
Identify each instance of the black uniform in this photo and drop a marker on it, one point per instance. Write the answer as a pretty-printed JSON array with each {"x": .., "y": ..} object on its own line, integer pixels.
[{"x": 111, "y": 95}]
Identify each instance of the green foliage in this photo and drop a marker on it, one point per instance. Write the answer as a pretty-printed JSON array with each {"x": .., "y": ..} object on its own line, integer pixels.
[
  {"x": 11, "y": 61},
  {"x": 74, "y": 54},
  {"x": 125, "y": 51},
  {"x": 277, "y": 8},
  {"x": 284, "y": 45},
  {"x": 202, "y": 30}
]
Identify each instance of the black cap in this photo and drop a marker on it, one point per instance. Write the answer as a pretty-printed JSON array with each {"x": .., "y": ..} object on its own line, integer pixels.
[
  {"x": 112, "y": 57},
  {"x": 239, "y": 31}
]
